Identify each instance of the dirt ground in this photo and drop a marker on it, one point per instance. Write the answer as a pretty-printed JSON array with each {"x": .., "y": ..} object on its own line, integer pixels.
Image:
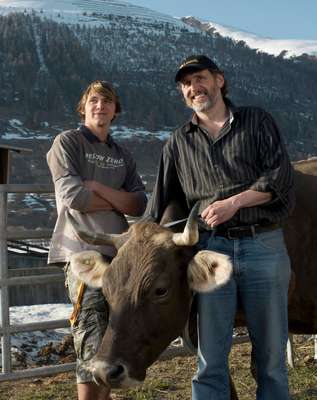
[{"x": 171, "y": 379}]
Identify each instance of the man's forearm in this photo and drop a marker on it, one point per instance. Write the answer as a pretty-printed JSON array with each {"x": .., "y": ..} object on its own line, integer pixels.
[
  {"x": 131, "y": 203},
  {"x": 223, "y": 210},
  {"x": 97, "y": 203},
  {"x": 250, "y": 198}
]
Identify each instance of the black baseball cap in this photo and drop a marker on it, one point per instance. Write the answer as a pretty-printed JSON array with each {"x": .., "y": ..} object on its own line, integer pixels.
[{"x": 196, "y": 63}]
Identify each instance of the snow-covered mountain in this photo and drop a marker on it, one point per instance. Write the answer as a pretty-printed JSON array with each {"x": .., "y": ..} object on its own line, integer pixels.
[
  {"x": 276, "y": 47},
  {"x": 94, "y": 13},
  {"x": 88, "y": 12}
]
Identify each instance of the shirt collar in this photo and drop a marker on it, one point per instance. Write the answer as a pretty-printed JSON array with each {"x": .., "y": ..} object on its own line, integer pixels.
[
  {"x": 193, "y": 123},
  {"x": 93, "y": 138}
]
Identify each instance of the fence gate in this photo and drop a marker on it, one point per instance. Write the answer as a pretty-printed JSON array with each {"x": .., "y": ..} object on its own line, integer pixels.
[{"x": 6, "y": 329}]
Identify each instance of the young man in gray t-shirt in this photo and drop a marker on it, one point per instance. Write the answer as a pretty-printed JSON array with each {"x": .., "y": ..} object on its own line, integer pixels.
[{"x": 96, "y": 182}]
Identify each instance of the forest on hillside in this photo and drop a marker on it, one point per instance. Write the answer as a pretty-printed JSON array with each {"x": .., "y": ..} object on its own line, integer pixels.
[{"x": 44, "y": 65}]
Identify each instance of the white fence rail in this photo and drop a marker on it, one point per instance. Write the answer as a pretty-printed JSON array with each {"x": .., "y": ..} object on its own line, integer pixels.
[{"x": 6, "y": 329}]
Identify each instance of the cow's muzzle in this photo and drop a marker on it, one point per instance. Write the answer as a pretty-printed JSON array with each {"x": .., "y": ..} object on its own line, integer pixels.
[{"x": 114, "y": 375}]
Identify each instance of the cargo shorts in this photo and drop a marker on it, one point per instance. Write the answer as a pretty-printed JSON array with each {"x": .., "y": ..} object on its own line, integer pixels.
[{"x": 90, "y": 326}]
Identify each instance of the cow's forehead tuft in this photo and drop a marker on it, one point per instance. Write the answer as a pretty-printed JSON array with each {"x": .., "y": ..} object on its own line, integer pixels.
[
  {"x": 160, "y": 238},
  {"x": 150, "y": 230}
]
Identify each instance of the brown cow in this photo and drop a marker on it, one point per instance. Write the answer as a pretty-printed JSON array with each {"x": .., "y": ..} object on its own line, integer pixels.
[
  {"x": 301, "y": 239},
  {"x": 148, "y": 284},
  {"x": 148, "y": 288}
]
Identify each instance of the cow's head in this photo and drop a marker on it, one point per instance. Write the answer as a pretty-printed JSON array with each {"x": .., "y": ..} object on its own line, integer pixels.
[{"x": 148, "y": 288}]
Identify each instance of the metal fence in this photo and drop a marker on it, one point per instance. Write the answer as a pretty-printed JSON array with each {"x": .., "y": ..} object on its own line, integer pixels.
[{"x": 6, "y": 329}]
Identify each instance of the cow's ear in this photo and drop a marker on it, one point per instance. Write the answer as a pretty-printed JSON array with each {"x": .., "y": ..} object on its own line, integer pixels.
[
  {"x": 89, "y": 267},
  {"x": 208, "y": 270}
]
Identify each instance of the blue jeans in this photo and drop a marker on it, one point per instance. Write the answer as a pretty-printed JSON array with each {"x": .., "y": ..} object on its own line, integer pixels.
[{"x": 261, "y": 273}]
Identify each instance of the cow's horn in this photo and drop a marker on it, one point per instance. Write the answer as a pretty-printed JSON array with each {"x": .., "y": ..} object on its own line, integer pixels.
[
  {"x": 116, "y": 240},
  {"x": 190, "y": 236}
]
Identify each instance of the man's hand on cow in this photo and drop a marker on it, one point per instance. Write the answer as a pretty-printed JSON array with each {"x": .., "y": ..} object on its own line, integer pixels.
[{"x": 219, "y": 212}]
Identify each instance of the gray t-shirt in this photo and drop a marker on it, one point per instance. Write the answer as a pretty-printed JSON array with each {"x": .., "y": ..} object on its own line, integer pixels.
[{"x": 75, "y": 156}]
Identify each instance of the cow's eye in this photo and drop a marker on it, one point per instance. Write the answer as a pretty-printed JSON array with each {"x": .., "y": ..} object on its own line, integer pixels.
[{"x": 161, "y": 292}]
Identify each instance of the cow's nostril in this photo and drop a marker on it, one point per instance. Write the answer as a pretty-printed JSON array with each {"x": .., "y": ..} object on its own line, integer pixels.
[{"x": 114, "y": 373}]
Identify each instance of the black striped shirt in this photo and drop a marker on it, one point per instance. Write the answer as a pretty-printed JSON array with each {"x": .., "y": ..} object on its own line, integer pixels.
[{"x": 247, "y": 154}]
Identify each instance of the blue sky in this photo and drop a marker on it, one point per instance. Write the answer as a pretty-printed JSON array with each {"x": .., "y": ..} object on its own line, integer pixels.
[{"x": 279, "y": 19}]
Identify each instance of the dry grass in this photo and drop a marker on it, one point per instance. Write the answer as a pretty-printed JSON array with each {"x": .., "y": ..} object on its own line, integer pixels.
[{"x": 170, "y": 380}]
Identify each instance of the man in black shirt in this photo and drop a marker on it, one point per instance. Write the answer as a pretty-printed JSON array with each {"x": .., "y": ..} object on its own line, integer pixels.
[{"x": 233, "y": 161}]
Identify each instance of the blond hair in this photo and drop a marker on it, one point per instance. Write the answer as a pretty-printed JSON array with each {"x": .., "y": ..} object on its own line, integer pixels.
[{"x": 103, "y": 88}]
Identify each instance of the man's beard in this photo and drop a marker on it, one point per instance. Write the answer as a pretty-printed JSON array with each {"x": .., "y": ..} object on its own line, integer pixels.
[
  {"x": 203, "y": 106},
  {"x": 206, "y": 105}
]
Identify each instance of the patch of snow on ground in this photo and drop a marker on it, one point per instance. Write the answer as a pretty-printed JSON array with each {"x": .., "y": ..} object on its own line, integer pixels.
[
  {"x": 15, "y": 122},
  {"x": 123, "y": 132},
  {"x": 26, "y": 345}
]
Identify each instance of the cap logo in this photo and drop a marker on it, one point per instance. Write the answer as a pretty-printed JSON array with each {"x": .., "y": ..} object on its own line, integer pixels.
[{"x": 189, "y": 62}]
